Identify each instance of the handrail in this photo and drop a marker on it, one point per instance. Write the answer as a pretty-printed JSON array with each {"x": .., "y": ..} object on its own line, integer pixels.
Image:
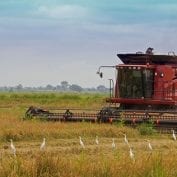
[{"x": 171, "y": 52}]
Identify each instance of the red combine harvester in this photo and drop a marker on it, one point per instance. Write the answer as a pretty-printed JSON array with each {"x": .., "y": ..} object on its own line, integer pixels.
[
  {"x": 145, "y": 90},
  {"x": 145, "y": 84}
]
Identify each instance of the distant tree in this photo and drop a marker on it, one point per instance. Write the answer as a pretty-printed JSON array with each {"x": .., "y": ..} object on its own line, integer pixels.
[
  {"x": 19, "y": 87},
  {"x": 76, "y": 88},
  {"x": 58, "y": 87},
  {"x": 90, "y": 89},
  {"x": 40, "y": 88},
  {"x": 28, "y": 88},
  {"x": 102, "y": 88},
  {"x": 50, "y": 87},
  {"x": 64, "y": 85}
]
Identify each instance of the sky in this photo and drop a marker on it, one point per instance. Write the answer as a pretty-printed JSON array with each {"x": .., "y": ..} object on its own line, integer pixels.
[{"x": 48, "y": 41}]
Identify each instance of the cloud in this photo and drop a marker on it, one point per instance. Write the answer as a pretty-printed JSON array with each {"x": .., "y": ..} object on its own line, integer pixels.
[{"x": 63, "y": 11}]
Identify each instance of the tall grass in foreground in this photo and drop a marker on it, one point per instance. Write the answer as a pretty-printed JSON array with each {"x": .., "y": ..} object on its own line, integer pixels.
[
  {"x": 35, "y": 130},
  {"x": 86, "y": 165},
  {"x": 63, "y": 156}
]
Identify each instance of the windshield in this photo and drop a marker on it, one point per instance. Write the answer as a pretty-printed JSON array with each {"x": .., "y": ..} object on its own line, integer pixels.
[{"x": 135, "y": 83}]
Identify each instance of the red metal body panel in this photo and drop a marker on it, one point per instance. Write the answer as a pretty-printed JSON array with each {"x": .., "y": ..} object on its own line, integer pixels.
[
  {"x": 163, "y": 83},
  {"x": 142, "y": 101}
]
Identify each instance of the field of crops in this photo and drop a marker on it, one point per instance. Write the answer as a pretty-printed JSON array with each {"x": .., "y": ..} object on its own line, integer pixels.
[{"x": 64, "y": 156}]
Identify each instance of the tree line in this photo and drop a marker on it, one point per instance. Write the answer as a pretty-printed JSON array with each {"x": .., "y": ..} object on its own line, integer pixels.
[{"x": 63, "y": 86}]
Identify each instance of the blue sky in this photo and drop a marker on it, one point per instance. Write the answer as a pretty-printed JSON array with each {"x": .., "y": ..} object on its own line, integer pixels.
[{"x": 48, "y": 41}]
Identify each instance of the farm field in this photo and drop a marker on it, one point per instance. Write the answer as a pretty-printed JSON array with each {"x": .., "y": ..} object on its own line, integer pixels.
[{"x": 64, "y": 156}]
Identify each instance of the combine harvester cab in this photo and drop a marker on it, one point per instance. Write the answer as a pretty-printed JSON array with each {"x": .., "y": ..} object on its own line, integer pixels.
[{"x": 146, "y": 81}]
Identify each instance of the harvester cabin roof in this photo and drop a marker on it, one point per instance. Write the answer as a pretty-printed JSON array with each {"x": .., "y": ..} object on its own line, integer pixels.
[{"x": 146, "y": 58}]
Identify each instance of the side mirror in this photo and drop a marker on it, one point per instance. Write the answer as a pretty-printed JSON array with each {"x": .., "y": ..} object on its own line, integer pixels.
[{"x": 101, "y": 75}]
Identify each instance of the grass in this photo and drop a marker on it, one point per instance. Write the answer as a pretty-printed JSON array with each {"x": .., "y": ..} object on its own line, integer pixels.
[
  {"x": 52, "y": 99},
  {"x": 146, "y": 129},
  {"x": 63, "y": 156},
  {"x": 92, "y": 161}
]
